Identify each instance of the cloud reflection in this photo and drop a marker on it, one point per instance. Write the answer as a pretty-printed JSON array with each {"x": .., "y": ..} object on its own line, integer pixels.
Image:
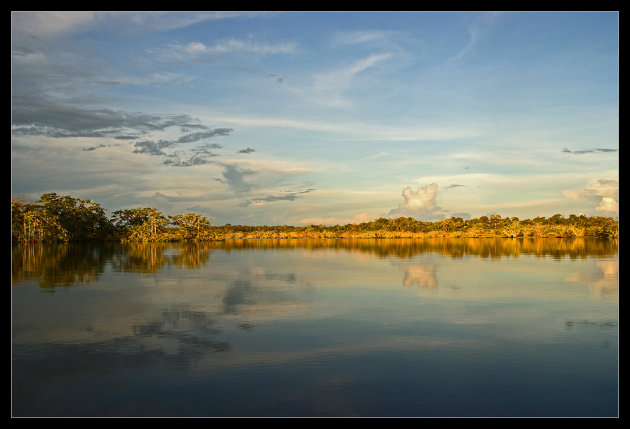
[
  {"x": 603, "y": 282},
  {"x": 421, "y": 275}
]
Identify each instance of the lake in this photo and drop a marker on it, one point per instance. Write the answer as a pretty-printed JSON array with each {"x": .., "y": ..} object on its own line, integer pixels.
[{"x": 317, "y": 328}]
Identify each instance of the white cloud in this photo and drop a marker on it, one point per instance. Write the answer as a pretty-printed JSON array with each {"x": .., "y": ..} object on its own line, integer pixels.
[
  {"x": 60, "y": 23},
  {"x": 418, "y": 203},
  {"x": 357, "y": 37},
  {"x": 154, "y": 78},
  {"x": 328, "y": 88},
  {"x": 602, "y": 192},
  {"x": 353, "y": 130},
  {"x": 235, "y": 45},
  {"x": 477, "y": 30},
  {"x": 173, "y": 20},
  {"x": 608, "y": 205},
  {"x": 194, "y": 48},
  {"x": 423, "y": 199},
  {"x": 226, "y": 46}
]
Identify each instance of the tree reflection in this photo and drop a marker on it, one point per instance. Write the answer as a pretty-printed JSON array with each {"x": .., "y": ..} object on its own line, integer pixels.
[
  {"x": 62, "y": 264},
  {"x": 453, "y": 247},
  {"x": 141, "y": 258},
  {"x": 65, "y": 264}
]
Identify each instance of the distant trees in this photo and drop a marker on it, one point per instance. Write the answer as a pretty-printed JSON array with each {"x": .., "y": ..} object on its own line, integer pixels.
[{"x": 64, "y": 218}]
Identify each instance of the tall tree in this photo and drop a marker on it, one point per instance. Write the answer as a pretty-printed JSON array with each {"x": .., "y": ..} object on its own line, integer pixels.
[
  {"x": 191, "y": 225},
  {"x": 143, "y": 224},
  {"x": 82, "y": 219}
]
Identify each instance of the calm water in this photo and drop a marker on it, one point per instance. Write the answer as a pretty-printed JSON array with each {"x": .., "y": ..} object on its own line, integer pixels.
[{"x": 442, "y": 327}]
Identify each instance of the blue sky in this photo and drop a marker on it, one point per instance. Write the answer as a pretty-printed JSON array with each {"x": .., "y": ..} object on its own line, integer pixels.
[{"x": 295, "y": 118}]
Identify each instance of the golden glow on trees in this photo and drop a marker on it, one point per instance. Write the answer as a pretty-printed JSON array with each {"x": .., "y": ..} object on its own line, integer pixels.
[{"x": 64, "y": 218}]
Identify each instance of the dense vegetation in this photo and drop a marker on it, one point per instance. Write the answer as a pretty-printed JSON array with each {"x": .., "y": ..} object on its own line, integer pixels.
[{"x": 67, "y": 219}]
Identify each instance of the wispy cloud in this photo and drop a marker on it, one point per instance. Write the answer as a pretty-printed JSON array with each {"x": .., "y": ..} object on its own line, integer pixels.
[
  {"x": 93, "y": 147},
  {"x": 60, "y": 23},
  {"x": 234, "y": 177},
  {"x": 200, "y": 50},
  {"x": 52, "y": 23},
  {"x": 285, "y": 196},
  {"x": 581, "y": 152},
  {"x": 200, "y": 153},
  {"x": 357, "y": 37},
  {"x": 32, "y": 116},
  {"x": 328, "y": 88},
  {"x": 173, "y": 20},
  {"x": 477, "y": 30},
  {"x": 355, "y": 130},
  {"x": 193, "y": 160}
]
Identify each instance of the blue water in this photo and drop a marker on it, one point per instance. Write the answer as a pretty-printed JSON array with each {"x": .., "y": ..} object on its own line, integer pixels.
[{"x": 316, "y": 329}]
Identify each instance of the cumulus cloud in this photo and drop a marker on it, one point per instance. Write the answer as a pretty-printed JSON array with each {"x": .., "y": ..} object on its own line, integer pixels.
[
  {"x": 602, "y": 194},
  {"x": 419, "y": 203},
  {"x": 423, "y": 199},
  {"x": 608, "y": 204}
]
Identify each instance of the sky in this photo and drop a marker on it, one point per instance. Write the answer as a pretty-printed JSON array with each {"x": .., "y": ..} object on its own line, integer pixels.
[{"x": 297, "y": 118}]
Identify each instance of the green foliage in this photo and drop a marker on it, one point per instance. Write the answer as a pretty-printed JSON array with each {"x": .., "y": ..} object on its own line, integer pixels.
[
  {"x": 80, "y": 219},
  {"x": 141, "y": 224},
  {"x": 56, "y": 218},
  {"x": 191, "y": 226}
]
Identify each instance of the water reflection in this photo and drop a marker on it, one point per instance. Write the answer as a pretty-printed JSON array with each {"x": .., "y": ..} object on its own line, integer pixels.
[
  {"x": 316, "y": 327},
  {"x": 64, "y": 264},
  {"x": 603, "y": 282},
  {"x": 69, "y": 263},
  {"x": 453, "y": 247},
  {"x": 421, "y": 276}
]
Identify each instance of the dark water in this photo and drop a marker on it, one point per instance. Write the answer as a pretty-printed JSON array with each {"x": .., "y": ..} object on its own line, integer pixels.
[{"x": 437, "y": 327}]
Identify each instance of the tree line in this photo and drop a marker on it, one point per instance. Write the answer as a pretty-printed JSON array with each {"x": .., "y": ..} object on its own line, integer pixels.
[{"x": 68, "y": 219}]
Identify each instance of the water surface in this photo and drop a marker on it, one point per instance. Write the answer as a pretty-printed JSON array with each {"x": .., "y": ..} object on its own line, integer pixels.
[{"x": 434, "y": 327}]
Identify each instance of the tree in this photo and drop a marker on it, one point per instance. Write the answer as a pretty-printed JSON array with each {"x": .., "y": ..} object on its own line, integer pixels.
[
  {"x": 191, "y": 225},
  {"x": 31, "y": 222},
  {"x": 144, "y": 224},
  {"x": 81, "y": 219}
]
